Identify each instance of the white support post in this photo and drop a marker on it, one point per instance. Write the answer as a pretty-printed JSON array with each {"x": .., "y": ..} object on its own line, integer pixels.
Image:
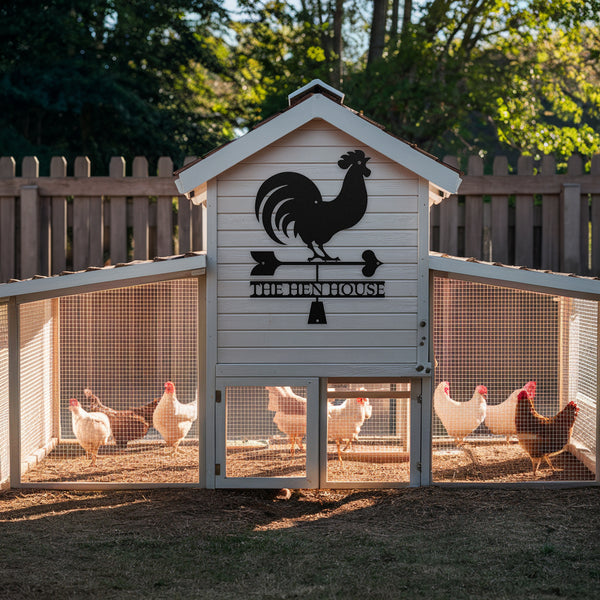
[{"x": 14, "y": 409}]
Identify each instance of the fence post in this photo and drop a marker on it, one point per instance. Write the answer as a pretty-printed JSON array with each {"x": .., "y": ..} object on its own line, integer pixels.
[
  {"x": 58, "y": 249},
  {"x": 595, "y": 233},
  {"x": 449, "y": 218},
  {"x": 30, "y": 220},
  {"x": 524, "y": 218},
  {"x": 550, "y": 221},
  {"x": 164, "y": 212},
  {"x": 7, "y": 223},
  {"x": 571, "y": 222},
  {"x": 118, "y": 215},
  {"x": 474, "y": 213},
  {"x": 500, "y": 216},
  {"x": 140, "y": 213}
]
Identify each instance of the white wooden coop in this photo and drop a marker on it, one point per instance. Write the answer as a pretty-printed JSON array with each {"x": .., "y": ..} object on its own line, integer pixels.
[{"x": 311, "y": 332}]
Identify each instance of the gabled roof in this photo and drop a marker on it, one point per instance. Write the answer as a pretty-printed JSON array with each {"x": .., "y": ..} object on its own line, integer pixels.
[{"x": 317, "y": 100}]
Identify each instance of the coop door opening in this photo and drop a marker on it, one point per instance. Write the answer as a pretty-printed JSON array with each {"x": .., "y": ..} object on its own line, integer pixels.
[
  {"x": 93, "y": 368},
  {"x": 368, "y": 431},
  {"x": 492, "y": 344},
  {"x": 270, "y": 436}
]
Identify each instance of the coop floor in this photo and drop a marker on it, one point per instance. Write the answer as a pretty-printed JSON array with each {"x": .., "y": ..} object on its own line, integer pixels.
[
  {"x": 151, "y": 463},
  {"x": 138, "y": 463},
  {"x": 501, "y": 463}
]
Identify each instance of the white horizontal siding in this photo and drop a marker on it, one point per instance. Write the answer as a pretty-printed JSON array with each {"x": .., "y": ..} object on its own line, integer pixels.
[
  {"x": 370, "y": 222},
  {"x": 297, "y": 322},
  {"x": 389, "y": 205},
  {"x": 310, "y": 338},
  {"x": 362, "y": 240},
  {"x": 373, "y": 331},
  {"x": 318, "y": 356},
  {"x": 333, "y": 306}
]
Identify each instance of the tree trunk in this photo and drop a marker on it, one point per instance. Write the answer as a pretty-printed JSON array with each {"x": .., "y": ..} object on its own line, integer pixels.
[
  {"x": 406, "y": 18},
  {"x": 336, "y": 66},
  {"x": 377, "y": 41},
  {"x": 394, "y": 23}
]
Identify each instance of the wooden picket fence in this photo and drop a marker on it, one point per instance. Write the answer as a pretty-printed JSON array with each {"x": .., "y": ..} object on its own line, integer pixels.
[
  {"x": 534, "y": 217},
  {"x": 53, "y": 224}
]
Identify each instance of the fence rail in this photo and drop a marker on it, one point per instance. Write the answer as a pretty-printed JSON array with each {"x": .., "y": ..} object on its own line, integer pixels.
[{"x": 535, "y": 217}]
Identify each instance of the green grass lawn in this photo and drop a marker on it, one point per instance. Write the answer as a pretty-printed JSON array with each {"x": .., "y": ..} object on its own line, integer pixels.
[{"x": 409, "y": 543}]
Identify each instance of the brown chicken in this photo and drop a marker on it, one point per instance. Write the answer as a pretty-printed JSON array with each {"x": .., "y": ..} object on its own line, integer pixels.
[
  {"x": 542, "y": 437},
  {"x": 126, "y": 425}
]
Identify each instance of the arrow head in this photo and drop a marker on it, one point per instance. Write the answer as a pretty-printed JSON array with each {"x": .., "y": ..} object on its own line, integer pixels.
[{"x": 371, "y": 263}]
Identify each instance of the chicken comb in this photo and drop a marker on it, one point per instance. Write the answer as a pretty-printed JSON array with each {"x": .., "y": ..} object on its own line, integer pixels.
[
  {"x": 481, "y": 389},
  {"x": 169, "y": 387},
  {"x": 73, "y": 402}
]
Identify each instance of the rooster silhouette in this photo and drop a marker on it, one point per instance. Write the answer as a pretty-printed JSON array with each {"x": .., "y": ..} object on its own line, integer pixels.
[{"x": 289, "y": 197}]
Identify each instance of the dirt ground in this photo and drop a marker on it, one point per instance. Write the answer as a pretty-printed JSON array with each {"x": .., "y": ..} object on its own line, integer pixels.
[{"x": 151, "y": 463}]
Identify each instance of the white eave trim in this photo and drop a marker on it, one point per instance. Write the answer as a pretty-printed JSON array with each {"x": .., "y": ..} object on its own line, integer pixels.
[
  {"x": 558, "y": 284},
  {"x": 104, "y": 278},
  {"x": 318, "y": 107}
]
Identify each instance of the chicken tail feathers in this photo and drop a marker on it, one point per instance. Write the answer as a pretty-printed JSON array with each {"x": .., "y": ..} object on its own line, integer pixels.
[{"x": 284, "y": 198}]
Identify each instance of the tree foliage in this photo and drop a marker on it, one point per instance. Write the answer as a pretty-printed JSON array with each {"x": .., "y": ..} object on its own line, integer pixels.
[
  {"x": 113, "y": 77},
  {"x": 179, "y": 77}
]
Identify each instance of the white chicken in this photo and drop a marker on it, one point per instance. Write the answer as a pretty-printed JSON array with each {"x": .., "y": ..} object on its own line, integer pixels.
[
  {"x": 92, "y": 429},
  {"x": 459, "y": 418},
  {"x": 344, "y": 421},
  {"x": 500, "y": 418},
  {"x": 290, "y": 414},
  {"x": 172, "y": 419}
]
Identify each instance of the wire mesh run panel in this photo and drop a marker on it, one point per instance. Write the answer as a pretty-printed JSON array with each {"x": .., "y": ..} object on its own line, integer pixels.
[
  {"x": 109, "y": 386},
  {"x": 4, "y": 439},
  {"x": 510, "y": 367},
  {"x": 266, "y": 431},
  {"x": 368, "y": 432}
]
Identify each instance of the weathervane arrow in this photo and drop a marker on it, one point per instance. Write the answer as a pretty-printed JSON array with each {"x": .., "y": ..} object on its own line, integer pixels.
[{"x": 267, "y": 263}]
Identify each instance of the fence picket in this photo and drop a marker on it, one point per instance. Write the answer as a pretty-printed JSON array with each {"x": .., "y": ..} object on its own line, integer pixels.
[
  {"x": 449, "y": 218},
  {"x": 118, "y": 215},
  {"x": 499, "y": 223},
  {"x": 141, "y": 214},
  {"x": 595, "y": 220},
  {"x": 81, "y": 218},
  {"x": 7, "y": 222},
  {"x": 474, "y": 214},
  {"x": 164, "y": 212},
  {"x": 550, "y": 221},
  {"x": 58, "y": 234},
  {"x": 524, "y": 218}
]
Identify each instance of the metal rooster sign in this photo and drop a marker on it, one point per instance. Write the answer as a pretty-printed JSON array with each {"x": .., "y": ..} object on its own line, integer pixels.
[{"x": 290, "y": 202}]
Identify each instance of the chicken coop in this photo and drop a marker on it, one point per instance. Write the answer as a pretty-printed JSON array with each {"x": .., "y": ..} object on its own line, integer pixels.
[{"x": 315, "y": 342}]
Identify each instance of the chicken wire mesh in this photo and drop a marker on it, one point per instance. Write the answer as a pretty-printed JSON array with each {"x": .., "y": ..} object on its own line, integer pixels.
[
  {"x": 4, "y": 439},
  {"x": 37, "y": 323},
  {"x": 579, "y": 333},
  {"x": 491, "y": 342},
  {"x": 266, "y": 431},
  {"x": 368, "y": 432},
  {"x": 114, "y": 351}
]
